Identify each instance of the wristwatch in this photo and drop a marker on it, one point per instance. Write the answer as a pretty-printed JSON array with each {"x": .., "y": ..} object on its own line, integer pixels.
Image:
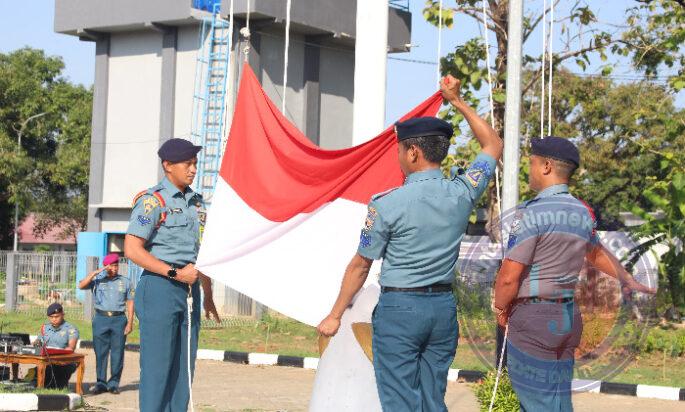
[{"x": 172, "y": 272}]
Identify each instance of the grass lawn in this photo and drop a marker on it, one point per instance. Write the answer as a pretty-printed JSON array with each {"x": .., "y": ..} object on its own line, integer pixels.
[
  {"x": 20, "y": 388},
  {"x": 278, "y": 334}
]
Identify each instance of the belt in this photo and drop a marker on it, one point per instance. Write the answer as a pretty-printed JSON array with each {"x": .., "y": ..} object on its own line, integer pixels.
[
  {"x": 109, "y": 313},
  {"x": 436, "y": 287},
  {"x": 523, "y": 301}
]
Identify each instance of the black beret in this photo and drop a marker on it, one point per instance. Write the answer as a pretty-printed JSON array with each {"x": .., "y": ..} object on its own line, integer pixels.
[
  {"x": 55, "y": 308},
  {"x": 423, "y": 126},
  {"x": 178, "y": 150},
  {"x": 555, "y": 147}
]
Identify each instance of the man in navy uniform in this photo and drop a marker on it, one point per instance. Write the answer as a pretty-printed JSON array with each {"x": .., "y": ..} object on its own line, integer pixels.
[
  {"x": 60, "y": 334},
  {"x": 113, "y": 321},
  {"x": 417, "y": 229},
  {"x": 550, "y": 237},
  {"x": 163, "y": 238}
]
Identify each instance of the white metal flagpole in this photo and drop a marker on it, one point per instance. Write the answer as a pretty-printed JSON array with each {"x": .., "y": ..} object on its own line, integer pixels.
[{"x": 512, "y": 116}]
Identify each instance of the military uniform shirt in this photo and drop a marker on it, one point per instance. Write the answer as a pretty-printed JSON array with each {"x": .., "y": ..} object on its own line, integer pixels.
[
  {"x": 111, "y": 294},
  {"x": 57, "y": 337},
  {"x": 418, "y": 227},
  {"x": 172, "y": 231},
  {"x": 551, "y": 234}
]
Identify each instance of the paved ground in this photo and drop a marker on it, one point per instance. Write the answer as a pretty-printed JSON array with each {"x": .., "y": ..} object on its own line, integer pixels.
[{"x": 223, "y": 386}]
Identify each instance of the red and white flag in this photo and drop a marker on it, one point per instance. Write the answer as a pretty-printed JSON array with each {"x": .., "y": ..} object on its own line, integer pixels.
[{"x": 286, "y": 215}]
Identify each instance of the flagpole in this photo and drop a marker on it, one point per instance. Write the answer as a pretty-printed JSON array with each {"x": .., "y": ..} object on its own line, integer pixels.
[
  {"x": 512, "y": 116},
  {"x": 512, "y": 126}
]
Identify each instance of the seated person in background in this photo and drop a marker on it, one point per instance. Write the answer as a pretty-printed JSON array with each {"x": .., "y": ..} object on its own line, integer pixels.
[{"x": 58, "y": 333}]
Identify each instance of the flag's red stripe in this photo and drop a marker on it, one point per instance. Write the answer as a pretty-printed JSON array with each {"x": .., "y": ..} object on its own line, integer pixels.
[{"x": 279, "y": 173}]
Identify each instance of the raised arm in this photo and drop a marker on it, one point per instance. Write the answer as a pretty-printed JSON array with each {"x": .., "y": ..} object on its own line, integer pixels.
[
  {"x": 487, "y": 137},
  {"x": 85, "y": 282}
]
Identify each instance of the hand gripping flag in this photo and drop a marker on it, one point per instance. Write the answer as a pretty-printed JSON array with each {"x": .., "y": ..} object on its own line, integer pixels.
[{"x": 286, "y": 215}]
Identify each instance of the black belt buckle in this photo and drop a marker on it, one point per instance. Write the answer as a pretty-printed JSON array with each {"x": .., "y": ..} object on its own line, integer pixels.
[{"x": 109, "y": 313}]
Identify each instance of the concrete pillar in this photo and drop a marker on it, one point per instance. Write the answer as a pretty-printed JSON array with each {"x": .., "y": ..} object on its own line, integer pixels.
[
  {"x": 167, "y": 95},
  {"x": 370, "y": 60},
  {"x": 99, "y": 131},
  {"x": 312, "y": 92}
]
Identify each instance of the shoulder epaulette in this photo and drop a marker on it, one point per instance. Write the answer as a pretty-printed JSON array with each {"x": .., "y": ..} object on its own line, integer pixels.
[{"x": 381, "y": 194}]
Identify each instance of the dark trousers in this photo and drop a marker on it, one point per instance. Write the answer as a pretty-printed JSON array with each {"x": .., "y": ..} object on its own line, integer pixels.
[
  {"x": 540, "y": 354},
  {"x": 414, "y": 342},
  {"x": 109, "y": 341},
  {"x": 161, "y": 308},
  {"x": 57, "y": 376}
]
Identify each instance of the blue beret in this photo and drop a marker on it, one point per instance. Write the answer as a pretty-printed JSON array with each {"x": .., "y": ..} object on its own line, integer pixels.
[
  {"x": 555, "y": 147},
  {"x": 423, "y": 126},
  {"x": 55, "y": 308},
  {"x": 178, "y": 150}
]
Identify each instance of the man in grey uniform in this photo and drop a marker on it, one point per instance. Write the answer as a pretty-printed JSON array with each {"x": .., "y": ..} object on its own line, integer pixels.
[
  {"x": 550, "y": 238},
  {"x": 417, "y": 229}
]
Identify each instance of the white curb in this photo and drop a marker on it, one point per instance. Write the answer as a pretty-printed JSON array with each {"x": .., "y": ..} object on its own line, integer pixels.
[
  {"x": 210, "y": 354},
  {"x": 658, "y": 392},
  {"x": 18, "y": 402},
  {"x": 262, "y": 359},
  {"x": 311, "y": 363},
  {"x": 585, "y": 385}
]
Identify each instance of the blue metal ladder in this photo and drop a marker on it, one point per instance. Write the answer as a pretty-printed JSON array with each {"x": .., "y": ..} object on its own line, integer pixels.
[{"x": 209, "y": 100}]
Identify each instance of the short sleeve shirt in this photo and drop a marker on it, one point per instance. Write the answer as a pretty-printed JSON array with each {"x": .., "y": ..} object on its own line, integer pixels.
[
  {"x": 57, "y": 337},
  {"x": 551, "y": 235},
  {"x": 417, "y": 228},
  {"x": 111, "y": 294},
  {"x": 170, "y": 221}
]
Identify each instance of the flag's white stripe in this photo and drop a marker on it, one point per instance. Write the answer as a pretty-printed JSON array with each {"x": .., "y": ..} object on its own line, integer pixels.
[{"x": 294, "y": 267}]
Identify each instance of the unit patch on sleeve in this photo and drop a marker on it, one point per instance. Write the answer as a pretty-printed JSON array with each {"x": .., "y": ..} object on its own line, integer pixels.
[
  {"x": 371, "y": 215},
  {"x": 477, "y": 171}
]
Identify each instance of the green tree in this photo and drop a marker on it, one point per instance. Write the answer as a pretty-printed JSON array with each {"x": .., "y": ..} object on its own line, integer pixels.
[
  {"x": 655, "y": 39},
  {"x": 48, "y": 172},
  {"x": 608, "y": 121},
  {"x": 665, "y": 192},
  {"x": 467, "y": 62}
]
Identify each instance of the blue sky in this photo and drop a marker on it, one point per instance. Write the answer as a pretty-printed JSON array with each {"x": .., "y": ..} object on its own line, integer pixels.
[{"x": 31, "y": 24}]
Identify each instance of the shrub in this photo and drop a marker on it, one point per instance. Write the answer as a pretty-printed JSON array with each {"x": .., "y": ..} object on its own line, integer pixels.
[{"x": 505, "y": 400}]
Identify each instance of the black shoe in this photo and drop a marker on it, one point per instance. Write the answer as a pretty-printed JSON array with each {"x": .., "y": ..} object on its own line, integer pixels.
[
  {"x": 97, "y": 389},
  {"x": 114, "y": 391}
]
